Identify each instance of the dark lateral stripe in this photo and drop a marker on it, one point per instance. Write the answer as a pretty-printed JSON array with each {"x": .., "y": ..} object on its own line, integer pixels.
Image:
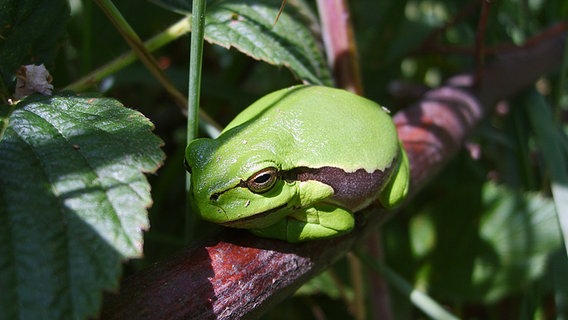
[{"x": 350, "y": 188}]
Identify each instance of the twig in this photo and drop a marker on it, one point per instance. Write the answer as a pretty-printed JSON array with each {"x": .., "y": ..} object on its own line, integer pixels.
[
  {"x": 428, "y": 44},
  {"x": 340, "y": 45},
  {"x": 172, "y": 33},
  {"x": 480, "y": 41},
  {"x": 140, "y": 50}
]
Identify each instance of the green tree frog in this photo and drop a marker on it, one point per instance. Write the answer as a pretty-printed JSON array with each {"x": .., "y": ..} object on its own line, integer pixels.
[{"x": 296, "y": 164}]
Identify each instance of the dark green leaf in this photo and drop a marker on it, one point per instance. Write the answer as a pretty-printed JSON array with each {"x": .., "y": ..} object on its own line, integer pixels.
[
  {"x": 517, "y": 233},
  {"x": 552, "y": 142},
  {"x": 248, "y": 26},
  {"x": 522, "y": 230},
  {"x": 73, "y": 200},
  {"x": 323, "y": 284},
  {"x": 30, "y": 33}
]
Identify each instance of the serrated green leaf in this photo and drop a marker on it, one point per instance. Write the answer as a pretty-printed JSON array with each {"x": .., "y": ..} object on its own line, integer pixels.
[
  {"x": 520, "y": 230},
  {"x": 73, "y": 201},
  {"x": 552, "y": 143},
  {"x": 248, "y": 26},
  {"x": 496, "y": 242},
  {"x": 30, "y": 33},
  {"x": 322, "y": 283}
]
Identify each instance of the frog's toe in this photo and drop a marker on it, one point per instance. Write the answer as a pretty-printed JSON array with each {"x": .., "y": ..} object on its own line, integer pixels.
[
  {"x": 320, "y": 222},
  {"x": 302, "y": 231}
]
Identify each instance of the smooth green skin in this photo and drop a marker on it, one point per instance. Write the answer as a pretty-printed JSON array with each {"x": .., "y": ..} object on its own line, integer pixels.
[{"x": 301, "y": 126}]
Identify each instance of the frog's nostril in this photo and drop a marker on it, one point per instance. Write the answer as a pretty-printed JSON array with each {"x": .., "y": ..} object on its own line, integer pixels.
[{"x": 214, "y": 197}]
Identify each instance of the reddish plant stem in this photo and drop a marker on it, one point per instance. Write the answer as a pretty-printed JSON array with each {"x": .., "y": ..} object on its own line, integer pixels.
[
  {"x": 240, "y": 276},
  {"x": 340, "y": 45},
  {"x": 435, "y": 127},
  {"x": 429, "y": 44},
  {"x": 341, "y": 50},
  {"x": 480, "y": 41},
  {"x": 379, "y": 294}
]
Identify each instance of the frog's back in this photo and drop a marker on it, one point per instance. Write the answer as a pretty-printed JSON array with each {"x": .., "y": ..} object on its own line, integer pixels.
[{"x": 324, "y": 127}]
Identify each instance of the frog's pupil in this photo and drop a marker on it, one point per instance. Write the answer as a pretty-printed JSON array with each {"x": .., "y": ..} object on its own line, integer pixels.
[{"x": 262, "y": 178}]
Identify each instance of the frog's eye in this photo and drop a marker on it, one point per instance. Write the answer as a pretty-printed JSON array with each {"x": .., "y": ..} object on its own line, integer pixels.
[{"x": 263, "y": 180}]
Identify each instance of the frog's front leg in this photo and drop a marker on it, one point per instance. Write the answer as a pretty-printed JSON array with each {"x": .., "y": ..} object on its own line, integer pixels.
[{"x": 316, "y": 222}]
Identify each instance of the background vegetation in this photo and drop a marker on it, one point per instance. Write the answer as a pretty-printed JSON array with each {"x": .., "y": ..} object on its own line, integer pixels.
[{"x": 483, "y": 239}]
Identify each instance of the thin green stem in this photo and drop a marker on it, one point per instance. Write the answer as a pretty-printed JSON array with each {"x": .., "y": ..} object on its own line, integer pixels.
[
  {"x": 195, "y": 62},
  {"x": 562, "y": 92},
  {"x": 143, "y": 53},
  {"x": 421, "y": 300},
  {"x": 140, "y": 50},
  {"x": 172, "y": 33}
]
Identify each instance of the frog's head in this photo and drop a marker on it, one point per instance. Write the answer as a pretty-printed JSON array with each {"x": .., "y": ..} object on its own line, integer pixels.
[{"x": 236, "y": 181}]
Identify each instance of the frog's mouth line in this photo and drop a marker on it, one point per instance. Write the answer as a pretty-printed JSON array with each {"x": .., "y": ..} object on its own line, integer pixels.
[{"x": 243, "y": 222}]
